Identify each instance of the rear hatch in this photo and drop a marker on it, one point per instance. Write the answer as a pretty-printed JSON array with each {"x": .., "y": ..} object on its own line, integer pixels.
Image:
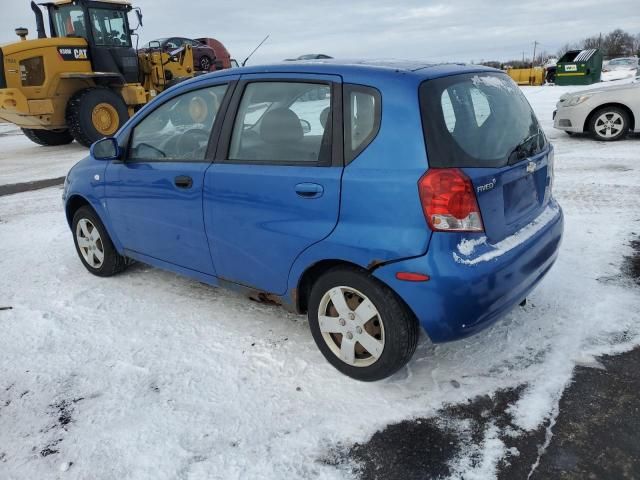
[{"x": 482, "y": 124}]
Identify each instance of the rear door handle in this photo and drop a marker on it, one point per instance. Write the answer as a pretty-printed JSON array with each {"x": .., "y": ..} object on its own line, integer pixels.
[
  {"x": 309, "y": 190},
  {"x": 183, "y": 181}
]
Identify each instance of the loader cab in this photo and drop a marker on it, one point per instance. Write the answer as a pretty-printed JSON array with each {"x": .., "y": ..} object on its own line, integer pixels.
[{"x": 105, "y": 26}]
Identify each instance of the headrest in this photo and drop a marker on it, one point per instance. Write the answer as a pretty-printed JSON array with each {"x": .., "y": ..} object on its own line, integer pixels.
[
  {"x": 324, "y": 115},
  {"x": 281, "y": 125}
]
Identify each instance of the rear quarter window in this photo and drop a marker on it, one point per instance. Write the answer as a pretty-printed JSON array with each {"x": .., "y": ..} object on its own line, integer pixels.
[
  {"x": 362, "y": 112},
  {"x": 478, "y": 120}
]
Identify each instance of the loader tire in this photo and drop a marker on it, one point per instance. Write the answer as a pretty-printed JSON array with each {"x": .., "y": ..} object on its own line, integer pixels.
[
  {"x": 48, "y": 138},
  {"x": 95, "y": 113}
]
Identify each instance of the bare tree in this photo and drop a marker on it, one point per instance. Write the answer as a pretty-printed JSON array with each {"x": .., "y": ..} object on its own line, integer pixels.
[
  {"x": 618, "y": 43},
  {"x": 592, "y": 42}
]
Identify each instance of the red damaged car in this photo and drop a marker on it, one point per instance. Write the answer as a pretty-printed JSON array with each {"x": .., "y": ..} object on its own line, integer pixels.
[{"x": 208, "y": 54}]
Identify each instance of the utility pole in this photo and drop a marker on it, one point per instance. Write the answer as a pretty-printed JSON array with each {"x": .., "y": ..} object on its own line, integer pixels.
[{"x": 532, "y": 78}]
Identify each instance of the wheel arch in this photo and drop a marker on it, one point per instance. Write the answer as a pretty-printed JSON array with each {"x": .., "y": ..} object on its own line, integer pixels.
[
  {"x": 311, "y": 274},
  {"x": 77, "y": 201},
  {"x": 632, "y": 120},
  {"x": 73, "y": 204}
]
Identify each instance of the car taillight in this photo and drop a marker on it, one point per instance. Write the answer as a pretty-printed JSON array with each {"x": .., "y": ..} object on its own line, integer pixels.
[{"x": 449, "y": 201}]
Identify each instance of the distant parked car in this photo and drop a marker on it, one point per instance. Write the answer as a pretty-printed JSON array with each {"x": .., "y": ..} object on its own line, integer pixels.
[
  {"x": 221, "y": 57},
  {"x": 607, "y": 113},
  {"x": 619, "y": 68},
  {"x": 404, "y": 194},
  {"x": 203, "y": 55},
  {"x": 309, "y": 56}
]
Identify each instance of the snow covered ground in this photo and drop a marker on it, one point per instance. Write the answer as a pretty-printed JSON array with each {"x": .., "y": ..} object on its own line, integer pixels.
[
  {"x": 150, "y": 375},
  {"x": 23, "y": 161}
]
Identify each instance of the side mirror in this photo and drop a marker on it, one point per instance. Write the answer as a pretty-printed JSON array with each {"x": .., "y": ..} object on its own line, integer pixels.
[
  {"x": 154, "y": 44},
  {"x": 105, "y": 149}
]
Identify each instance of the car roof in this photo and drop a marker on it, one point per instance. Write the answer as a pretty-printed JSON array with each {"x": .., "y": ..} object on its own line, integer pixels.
[{"x": 413, "y": 68}]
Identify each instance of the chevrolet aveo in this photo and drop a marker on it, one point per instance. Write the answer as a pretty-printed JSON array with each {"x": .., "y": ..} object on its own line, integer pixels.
[{"x": 376, "y": 198}]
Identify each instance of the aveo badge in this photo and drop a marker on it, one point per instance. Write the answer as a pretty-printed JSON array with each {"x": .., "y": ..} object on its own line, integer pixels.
[
  {"x": 67, "y": 53},
  {"x": 487, "y": 186}
]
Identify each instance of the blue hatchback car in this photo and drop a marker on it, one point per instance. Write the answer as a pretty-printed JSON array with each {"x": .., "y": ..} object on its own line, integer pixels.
[{"x": 377, "y": 198}]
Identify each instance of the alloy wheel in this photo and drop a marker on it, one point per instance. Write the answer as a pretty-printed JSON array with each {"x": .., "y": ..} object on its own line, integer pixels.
[
  {"x": 609, "y": 124},
  {"x": 90, "y": 243},
  {"x": 351, "y": 326}
]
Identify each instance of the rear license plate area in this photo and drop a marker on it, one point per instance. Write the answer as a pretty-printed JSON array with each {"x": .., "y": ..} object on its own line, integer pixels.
[{"x": 520, "y": 198}]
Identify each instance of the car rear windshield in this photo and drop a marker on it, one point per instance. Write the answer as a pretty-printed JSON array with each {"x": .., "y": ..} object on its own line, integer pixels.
[{"x": 478, "y": 120}]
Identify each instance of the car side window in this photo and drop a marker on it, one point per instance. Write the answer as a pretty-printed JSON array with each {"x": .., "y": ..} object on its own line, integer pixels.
[
  {"x": 283, "y": 123},
  {"x": 173, "y": 43},
  {"x": 179, "y": 129},
  {"x": 362, "y": 115}
]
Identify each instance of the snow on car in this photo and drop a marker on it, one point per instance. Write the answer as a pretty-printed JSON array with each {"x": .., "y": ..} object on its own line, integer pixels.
[{"x": 156, "y": 376}]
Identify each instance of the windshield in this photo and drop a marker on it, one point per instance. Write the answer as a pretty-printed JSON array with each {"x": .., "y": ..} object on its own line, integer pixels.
[
  {"x": 478, "y": 120},
  {"x": 68, "y": 21},
  {"x": 109, "y": 27}
]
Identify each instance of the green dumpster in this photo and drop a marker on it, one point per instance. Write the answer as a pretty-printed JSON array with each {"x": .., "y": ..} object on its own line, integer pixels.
[{"x": 579, "y": 67}]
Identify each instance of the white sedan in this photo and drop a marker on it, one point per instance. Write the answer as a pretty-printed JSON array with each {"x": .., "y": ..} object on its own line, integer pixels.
[{"x": 607, "y": 113}]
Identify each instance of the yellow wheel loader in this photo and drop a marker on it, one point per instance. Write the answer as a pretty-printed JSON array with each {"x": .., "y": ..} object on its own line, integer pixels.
[{"x": 86, "y": 79}]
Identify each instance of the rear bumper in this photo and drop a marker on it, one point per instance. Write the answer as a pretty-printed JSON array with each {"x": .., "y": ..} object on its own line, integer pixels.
[{"x": 468, "y": 293}]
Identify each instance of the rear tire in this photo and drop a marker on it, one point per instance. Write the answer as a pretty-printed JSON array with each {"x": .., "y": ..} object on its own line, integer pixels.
[
  {"x": 48, "y": 138},
  {"x": 608, "y": 124},
  {"x": 95, "y": 113},
  {"x": 389, "y": 335},
  {"x": 205, "y": 63},
  {"x": 94, "y": 246}
]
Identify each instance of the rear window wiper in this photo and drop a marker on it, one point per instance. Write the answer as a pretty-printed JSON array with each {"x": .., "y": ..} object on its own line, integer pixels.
[{"x": 520, "y": 152}]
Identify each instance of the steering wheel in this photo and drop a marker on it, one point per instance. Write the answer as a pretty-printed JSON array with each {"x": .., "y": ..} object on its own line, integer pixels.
[
  {"x": 306, "y": 126},
  {"x": 191, "y": 142}
]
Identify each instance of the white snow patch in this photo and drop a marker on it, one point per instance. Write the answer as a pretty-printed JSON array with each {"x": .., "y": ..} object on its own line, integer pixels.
[
  {"x": 489, "y": 453},
  {"x": 467, "y": 246},
  {"x": 548, "y": 436},
  {"x": 510, "y": 242},
  {"x": 494, "y": 81}
]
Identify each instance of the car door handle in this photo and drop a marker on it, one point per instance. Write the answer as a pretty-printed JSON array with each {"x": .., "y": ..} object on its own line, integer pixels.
[
  {"x": 183, "y": 181},
  {"x": 309, "y": 190}
]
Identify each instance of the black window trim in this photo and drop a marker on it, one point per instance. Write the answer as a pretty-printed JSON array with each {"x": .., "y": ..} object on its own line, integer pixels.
[
  {"x": 224, "y": 142},
  {"x": 349, "y": 154},
  {"x": 215, "y": 130}
]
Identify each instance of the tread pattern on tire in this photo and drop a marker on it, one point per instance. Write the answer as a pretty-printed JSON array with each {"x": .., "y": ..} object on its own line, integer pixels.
[
  {"x": 410, "y": 329},
  {"x": 113, "y": 262},
  {"x": 48, "y": 138},
  {"x": 73, "y": 114}
]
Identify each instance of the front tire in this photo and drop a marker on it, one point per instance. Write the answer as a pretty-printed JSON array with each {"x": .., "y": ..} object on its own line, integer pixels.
[
  {"x": 95, "y": 113},
  {"x": 360, "y": 325},
  {"x": 609, "y": 124},
  {"x": 48, "y": 138},
  {"x": 93, "y": 245}
]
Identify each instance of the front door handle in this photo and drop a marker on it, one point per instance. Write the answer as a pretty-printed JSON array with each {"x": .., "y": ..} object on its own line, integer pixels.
[
  {"x": 183, "y": 181},
  {"x": 309, "y": 190}
]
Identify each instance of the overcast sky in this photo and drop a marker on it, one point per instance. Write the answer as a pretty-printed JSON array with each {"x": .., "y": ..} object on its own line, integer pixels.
[{"x": 458, "y": 30}]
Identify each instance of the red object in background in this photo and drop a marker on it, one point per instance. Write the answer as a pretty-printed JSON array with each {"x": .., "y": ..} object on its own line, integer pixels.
[{"x": 223, "y": 58}]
